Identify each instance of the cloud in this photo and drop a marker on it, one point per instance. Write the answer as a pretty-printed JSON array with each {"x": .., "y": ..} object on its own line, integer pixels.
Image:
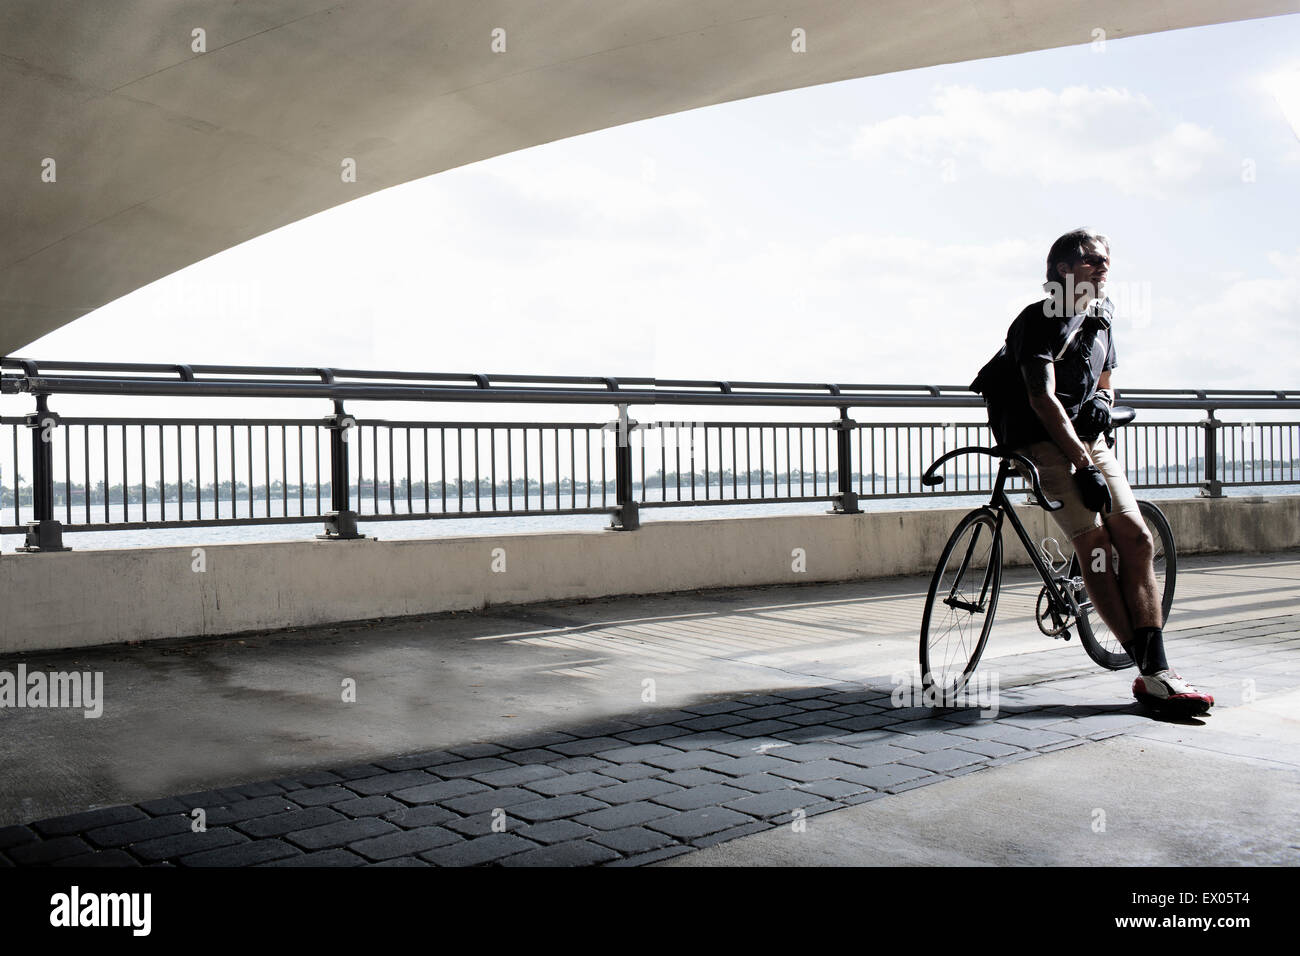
[
  {"x": 583, "y": 258},
  {"x": 563, "y": 188},
  {"x": 848, "y": 308},
  {"x": 1231, "y": 335},
  {"x": 1285, "y": 87},
  {"x": 1077, "y": 137}
]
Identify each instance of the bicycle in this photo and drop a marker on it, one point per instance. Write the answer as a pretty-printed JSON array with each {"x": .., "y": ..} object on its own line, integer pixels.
[{"x": 969, "y": 590}]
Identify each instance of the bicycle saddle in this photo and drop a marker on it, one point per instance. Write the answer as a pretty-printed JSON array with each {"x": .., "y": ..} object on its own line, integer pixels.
[{"x": 1122, "y": 414}]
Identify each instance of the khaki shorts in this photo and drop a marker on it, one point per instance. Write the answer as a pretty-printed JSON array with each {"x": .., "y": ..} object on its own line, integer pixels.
[{"x": 1056, "y": 476}]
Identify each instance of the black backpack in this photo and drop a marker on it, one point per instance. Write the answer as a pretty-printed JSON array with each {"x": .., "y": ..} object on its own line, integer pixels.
[{"x": 998, "y": 383}]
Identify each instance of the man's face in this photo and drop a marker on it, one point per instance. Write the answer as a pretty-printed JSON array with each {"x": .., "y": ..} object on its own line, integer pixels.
[{"x": 1090, "y": 269}]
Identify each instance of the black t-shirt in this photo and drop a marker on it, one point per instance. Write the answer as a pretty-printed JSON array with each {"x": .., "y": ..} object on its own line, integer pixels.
[{"x": 1080, "y": 351}]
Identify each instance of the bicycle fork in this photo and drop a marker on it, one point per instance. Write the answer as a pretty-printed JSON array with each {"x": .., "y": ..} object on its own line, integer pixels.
[{"x": 952, "y": 600}]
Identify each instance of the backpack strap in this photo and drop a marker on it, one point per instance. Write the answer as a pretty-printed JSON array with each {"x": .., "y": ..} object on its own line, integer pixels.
[
  {"x": 1099, "y": 308},
  {"x": 1068, "y": 339}
]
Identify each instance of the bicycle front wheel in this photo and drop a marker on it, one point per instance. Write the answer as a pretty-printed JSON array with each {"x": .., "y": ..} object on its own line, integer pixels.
[
  {"x": 1095, "y": 634},
  {"x": 961, "y": 603}
]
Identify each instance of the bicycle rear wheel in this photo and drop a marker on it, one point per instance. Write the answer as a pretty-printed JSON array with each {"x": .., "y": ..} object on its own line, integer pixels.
[
  {"x": 1095, "y": 634},
  {"x": 960, "y": 605}
]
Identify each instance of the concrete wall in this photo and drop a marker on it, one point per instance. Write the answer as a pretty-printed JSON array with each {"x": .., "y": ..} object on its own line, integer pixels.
[{"x": 81, "y": 598}]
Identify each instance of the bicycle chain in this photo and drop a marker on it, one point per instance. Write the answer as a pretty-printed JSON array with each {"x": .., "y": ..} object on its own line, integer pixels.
[{"x": 1061, "y": 631}]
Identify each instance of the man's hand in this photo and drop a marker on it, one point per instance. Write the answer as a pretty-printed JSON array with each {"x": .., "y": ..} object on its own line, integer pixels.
[
  {"x": 1093, "y": 418},
  {"x": 1093, "y": 488}
]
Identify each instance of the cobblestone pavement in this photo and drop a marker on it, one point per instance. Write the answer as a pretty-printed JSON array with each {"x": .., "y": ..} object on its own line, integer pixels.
[{"x": 654, "y": 784}]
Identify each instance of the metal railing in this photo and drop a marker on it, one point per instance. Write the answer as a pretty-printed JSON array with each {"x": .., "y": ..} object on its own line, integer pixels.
[{"x": 97, "y": 473}]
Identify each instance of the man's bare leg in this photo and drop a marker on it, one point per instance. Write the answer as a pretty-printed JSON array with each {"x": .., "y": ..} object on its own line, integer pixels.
[
  {"x": 1103, "y": 586},
  {"x": 1137, "y": 576},
  {"x": 1127, "y": 602}
]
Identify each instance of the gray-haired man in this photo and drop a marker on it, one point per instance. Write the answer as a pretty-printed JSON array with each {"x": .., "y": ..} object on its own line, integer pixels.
[{"x": 1049, "y": 392}]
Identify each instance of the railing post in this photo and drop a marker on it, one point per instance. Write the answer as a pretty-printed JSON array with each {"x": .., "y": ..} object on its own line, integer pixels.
[
  {"x": 341, "y": 520},
  {"x": 43, "y": 533},
  {"x": 627, "y": 517},
  {"x": 1212, "y": 486},
  {"x": 846, "y": 500}
]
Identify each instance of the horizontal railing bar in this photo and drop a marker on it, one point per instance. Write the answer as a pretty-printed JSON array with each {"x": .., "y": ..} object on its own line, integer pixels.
[
  {"x": 1247, "y": 482},
  {"x": 603, "y": 382},
  {"x": 736, "y": 423},
  {"x": 821, "y": 386},
  {"x": 246, "y": 389},
  {"x": 610, "y": 382},
  {"x": 211, "y": 386},
  {"x": 686, "y": 502},
  {"x": 233, "y": 389},
  {"x": 594, "y": 426},
  {"x": 197, "y": 523},
  {"x": 362, "y": 517},
  {"x": 309, "y": 422},
  {"x": 1211, "y": 392},
  {"x": 81, "y": 420},
  {"x": 559, "y": 396},
  {"x": 160, "y": 367},
  {"x": 482, "y": 382},
  {"x": 365, "y": 516}
]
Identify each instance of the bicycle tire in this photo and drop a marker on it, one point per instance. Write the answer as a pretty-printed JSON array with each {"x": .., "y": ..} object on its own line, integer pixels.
[
  {"x": 978, "y": 572},
  {"x": 1166, "y": 551},
  {"x": 1100, "y": 643}
]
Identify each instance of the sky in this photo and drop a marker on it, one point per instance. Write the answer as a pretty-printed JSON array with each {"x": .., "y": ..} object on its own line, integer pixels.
[{"x": 881, "y": 230}]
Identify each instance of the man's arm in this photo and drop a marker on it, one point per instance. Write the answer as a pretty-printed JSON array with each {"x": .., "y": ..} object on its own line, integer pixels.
[
  {"x": 1105, "y": 388},
  {"x": 1040, "y": 383}
]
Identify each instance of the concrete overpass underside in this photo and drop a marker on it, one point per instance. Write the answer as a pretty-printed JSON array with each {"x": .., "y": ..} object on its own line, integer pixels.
[{"x": 166, "y": 150}]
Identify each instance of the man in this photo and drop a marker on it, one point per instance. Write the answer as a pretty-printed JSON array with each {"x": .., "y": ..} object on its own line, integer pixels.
[{"x": 1049, "y": 393}]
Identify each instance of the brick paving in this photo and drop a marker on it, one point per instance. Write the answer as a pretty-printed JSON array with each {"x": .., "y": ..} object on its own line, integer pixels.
[{"x": 649, "y": 785}]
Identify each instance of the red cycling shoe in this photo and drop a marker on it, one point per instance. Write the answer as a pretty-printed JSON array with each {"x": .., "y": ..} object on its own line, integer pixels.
[{"x": 1166, "y": 690}]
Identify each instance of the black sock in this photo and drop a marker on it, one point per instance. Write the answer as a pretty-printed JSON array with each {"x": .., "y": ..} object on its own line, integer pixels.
[{"x": 1148, "y": 650}]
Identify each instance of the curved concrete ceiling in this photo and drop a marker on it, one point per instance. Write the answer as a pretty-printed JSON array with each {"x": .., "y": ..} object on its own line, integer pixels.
[{"x": 164, "y": 155}]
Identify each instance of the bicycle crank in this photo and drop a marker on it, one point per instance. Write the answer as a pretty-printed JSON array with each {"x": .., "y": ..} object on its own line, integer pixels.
[{"x": 1043, "y": 610}]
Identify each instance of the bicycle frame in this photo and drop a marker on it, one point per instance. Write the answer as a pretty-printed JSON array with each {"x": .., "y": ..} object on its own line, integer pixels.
[{"x": 1062, "y": 606}]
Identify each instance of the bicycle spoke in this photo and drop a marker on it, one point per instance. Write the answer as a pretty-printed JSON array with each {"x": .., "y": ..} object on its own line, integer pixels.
[{"x": 960, "y": 605}]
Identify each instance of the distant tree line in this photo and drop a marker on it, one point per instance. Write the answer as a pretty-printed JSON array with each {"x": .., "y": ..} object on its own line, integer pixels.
[{"x": 134, "y": 493}]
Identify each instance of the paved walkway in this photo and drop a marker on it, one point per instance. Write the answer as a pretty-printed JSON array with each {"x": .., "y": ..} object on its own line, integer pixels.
[{"x": 739, "y": 727}]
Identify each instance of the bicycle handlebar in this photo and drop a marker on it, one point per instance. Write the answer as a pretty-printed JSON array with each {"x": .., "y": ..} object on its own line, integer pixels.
[
  {"x": 931, "y": 478},
  {"x": 1120, "y": 415}
]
